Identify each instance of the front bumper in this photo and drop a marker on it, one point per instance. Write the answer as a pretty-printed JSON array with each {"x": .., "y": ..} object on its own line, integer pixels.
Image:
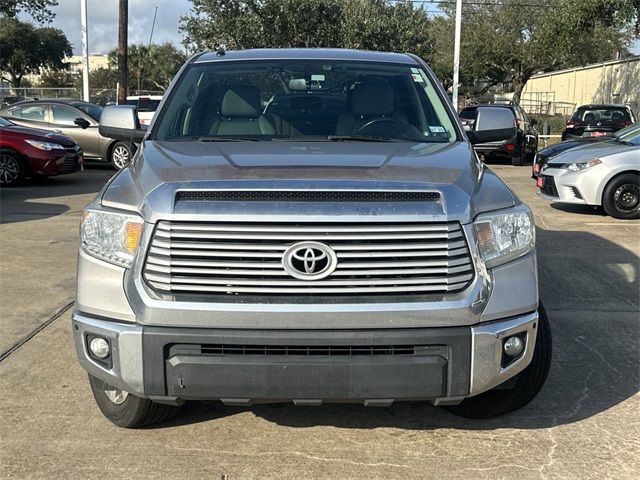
[
  {"x": 372, "y": 366},
  {"x": 579, "y": 187}
]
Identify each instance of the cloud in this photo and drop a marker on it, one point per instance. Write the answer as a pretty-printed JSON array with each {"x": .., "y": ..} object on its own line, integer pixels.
[{"x": 103, "y": 22}]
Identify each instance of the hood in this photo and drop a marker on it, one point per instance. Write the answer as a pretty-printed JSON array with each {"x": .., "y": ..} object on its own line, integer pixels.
[
  {"x": 591, "y": 151},
  {"x": 553, "y": 150},
  {"x": 38, "y": 134},
  {"x": 161, "y": 169}
]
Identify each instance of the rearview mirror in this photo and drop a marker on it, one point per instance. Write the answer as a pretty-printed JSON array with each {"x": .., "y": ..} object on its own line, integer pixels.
[
  {"x": 492, "y": 124},
  {"x": 121, "y": 122}
]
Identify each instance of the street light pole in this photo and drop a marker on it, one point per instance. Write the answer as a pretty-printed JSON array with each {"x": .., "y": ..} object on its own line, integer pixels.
[
  {"x": 456, "y": 54},
  {"x": 85, "y": 51}
]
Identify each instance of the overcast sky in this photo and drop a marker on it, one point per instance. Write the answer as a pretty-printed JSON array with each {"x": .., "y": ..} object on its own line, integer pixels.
[{"x": 103, "y": 22}]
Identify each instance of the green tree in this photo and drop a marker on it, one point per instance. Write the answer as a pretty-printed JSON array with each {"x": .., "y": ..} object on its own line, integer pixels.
[
  {"x": 151, "y": 68},
  {"x": 504, "y": 42},
  {"x": 40, "y": 10},
  {"x": 364, "y": 24},
  {"x": 27, "y": 49},
  {"x": 58, "y": 79}
]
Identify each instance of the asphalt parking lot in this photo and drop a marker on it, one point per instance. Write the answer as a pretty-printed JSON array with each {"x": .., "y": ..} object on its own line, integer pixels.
[{"x": 584, "y": 423}]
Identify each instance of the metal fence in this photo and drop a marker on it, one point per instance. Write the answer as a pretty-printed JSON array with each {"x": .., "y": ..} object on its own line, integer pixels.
[{"x": 100, "y": 96}]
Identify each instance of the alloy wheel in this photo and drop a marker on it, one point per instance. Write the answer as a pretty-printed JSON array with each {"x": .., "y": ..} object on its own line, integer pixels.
[
  {"x": 9, "y": 169},
  {"x": 120, "y": 156}
]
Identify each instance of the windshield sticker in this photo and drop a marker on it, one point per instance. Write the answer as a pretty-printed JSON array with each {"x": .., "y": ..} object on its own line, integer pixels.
[
  {"x": 417, "y": 78},
  {"x": 437, "y": 129}
]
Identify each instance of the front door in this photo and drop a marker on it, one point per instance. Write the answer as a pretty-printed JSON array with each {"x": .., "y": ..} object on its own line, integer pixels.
[{"x": 63, "y": 121}]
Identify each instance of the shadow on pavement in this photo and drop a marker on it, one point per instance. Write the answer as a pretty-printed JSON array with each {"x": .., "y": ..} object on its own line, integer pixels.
[
  {"x": 591, "y": 293},
  {"x": 579, "y": 209},
  {"x": 17, "y": 203}
]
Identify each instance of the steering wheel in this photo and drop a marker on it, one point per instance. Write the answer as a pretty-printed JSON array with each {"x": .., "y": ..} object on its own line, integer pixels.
[{"x": 389, "y": 127}]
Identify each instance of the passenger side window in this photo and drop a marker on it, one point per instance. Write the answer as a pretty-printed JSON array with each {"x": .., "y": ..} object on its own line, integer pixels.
[
  {"x": 30, "y": 112},
  {"x": 63, "y": 115}
]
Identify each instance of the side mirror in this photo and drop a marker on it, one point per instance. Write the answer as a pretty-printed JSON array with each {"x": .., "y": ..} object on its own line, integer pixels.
[
  {"x": 121, "y": 122},
  {"x": 492, "y": 124},
  {"x": 81, "y": 122}
]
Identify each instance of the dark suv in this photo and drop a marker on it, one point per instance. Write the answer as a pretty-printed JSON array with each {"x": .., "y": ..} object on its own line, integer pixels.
[
  {"x": 520, "y": 149},
  {"x": 597, "y": 121}
]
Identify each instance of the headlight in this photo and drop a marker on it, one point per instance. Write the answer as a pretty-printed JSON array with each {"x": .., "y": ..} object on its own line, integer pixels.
[
  {"x": 47, "y": 146},
  {"x": 576, "y": 167},
  {"x": 112, "y": 237},
  {"x": 505, "y": 236}
]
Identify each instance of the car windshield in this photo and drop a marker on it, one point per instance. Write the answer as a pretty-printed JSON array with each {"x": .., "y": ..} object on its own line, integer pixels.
[
  {"x": 4, "y": 122},
  {"x": 630, "y": 134},
  {"x": 589, "y": 116},
  {"x": 94, "y": 111},
  {"x": 305, "y": 100}
]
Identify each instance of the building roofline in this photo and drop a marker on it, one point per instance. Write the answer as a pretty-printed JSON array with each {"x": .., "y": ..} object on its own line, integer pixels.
[{"x": 635, "y": 58}]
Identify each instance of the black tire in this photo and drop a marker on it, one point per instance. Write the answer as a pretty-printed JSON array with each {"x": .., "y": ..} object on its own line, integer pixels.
[
  {"x": 121, "y": 154},
  {"x": 621, "y": 197},
  {"x": 12, "y": 168},
  {"x": 518, "y": 160},
  {"x": 129, "y": 411},
  {"x": 527, "y": 383}
]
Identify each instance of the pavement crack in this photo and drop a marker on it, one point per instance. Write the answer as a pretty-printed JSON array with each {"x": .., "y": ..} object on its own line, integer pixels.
[{"x": 4, "y": 355}]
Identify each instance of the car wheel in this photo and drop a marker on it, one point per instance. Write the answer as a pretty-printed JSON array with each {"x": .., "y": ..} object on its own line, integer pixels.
[
  {"x": 12, "y": 168},
  {"x": 126, "y": 410},
  {"x": 121, "y": 154},
  {"x": 526, "y": 386},
  {"x": 621, "y": 197}
]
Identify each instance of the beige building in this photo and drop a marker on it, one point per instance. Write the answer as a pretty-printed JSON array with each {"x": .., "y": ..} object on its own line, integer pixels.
[
  {"x": 96, "y": 61},
  {"x": 616, "y": 81}
]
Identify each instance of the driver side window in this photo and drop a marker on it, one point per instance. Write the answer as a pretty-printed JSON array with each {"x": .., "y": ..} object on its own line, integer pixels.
[{"x": 63, "y": 115}]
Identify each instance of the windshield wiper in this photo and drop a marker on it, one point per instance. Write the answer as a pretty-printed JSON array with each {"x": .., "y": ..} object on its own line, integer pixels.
[
  {"x": 359, "y": 138},
  {"x": 227, "y": 139}
]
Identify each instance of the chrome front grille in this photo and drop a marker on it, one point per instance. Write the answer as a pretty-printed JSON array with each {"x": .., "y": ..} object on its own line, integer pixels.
[{"x": 235, "y": 258}]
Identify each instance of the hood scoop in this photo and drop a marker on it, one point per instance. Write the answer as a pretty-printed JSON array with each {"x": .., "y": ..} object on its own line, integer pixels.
[{"x": 306, "y": 196}]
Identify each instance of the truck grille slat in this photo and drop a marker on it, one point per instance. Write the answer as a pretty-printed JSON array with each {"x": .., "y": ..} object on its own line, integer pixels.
[{"x": 247, "y": 258}]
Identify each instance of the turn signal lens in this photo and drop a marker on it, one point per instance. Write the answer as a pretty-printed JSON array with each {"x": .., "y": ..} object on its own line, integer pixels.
[{"x": 131, "y": 236}]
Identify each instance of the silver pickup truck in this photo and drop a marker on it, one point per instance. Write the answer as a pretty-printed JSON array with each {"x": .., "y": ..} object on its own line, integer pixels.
[{"x": 310, "y": 226}]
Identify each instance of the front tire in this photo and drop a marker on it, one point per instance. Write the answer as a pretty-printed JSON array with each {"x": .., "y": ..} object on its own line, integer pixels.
[
  {"x": 519, "y": 160},
  {"x": 126, "y": 410},
  {"x": 121, "y": 154},
  {"x": 527, "y": 383},
  {"x": 12, "y": 169},
  {"x": 621, "y": 197}
]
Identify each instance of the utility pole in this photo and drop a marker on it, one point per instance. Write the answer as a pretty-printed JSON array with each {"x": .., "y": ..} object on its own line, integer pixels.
[
  {"x": 123, "y": 72},
  {"x": 456, "y": 54},
  {"x": 85, "y": 51}
]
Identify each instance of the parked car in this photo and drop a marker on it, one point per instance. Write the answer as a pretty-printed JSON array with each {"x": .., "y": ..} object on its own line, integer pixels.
[
  {"x": 630, "y": 133},
  {"x": 603, "y": 174},
  {"x": 597, "y": 120},
  {"x": 28, "y": 152},
  {"x": 245, "y": 258},
  {"x": 77, "y": 119},
  {"x": 146, "y": 106},
  {"x": 519, "y": 149}
]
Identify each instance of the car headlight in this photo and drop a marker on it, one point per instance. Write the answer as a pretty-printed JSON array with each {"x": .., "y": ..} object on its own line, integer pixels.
[
  {"x": 112, "y": 237},
  {"x": 47, "y": 146},
  {"x": 505, "y": 236},
  {"x": 576, "y": 167}
]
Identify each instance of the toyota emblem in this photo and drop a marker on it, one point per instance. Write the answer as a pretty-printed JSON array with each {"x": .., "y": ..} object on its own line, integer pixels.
[{"x": 309, "y": 260}]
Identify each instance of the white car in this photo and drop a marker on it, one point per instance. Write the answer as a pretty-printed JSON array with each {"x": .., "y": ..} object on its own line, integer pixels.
[
  {"x": 146, "y": 106},
  {"x": 603, "y": 174}
]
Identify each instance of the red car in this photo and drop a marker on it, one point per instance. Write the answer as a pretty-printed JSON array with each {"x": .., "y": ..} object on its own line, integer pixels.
[{"x": 28, "y": 152}]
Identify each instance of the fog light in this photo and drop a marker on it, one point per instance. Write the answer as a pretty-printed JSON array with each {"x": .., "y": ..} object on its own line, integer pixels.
[
  {"x": 513, "y": 346},
  {"x": 99, "y": 347}
]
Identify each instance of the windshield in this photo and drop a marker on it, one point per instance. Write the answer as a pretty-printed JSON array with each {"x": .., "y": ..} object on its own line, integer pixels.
[
  {"x": 305, "y": 100},
  {"x": 630, "y": 134},
  {"x": 4, "y": 122},
  {"x": 94, "y": 111}
]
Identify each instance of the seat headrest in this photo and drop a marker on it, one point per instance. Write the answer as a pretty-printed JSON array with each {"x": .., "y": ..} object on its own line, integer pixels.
[
  {"x": 241, "y": 101},
  {"x": 372, "y": 99}
]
